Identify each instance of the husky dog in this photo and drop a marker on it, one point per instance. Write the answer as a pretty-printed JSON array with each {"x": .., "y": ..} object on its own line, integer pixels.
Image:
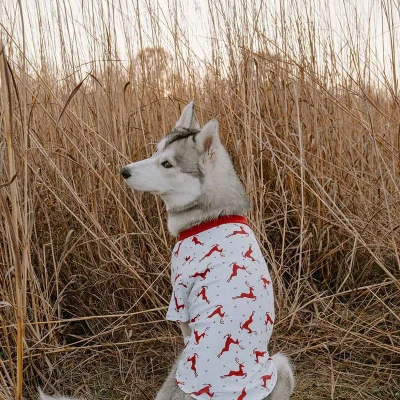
[{"x": 193, "y": 174}]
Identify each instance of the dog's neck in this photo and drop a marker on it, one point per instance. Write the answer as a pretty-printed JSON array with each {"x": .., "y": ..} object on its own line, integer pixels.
[{"x": 222, "y": 195}]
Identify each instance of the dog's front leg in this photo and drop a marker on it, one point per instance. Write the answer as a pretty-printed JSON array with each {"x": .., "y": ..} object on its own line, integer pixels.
[
  {"x": 186, "y": 331},
  {"x": 170, "y": 390}
]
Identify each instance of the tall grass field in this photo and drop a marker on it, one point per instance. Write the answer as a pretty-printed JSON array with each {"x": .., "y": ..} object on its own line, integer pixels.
[{"x": 307, "y": 97}]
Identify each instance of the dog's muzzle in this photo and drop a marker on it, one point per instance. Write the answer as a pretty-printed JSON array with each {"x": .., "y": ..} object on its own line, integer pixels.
[{"x": 125, "y": 173}]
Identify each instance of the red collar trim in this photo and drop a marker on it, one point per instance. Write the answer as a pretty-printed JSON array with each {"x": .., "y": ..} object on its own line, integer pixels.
[{"x": 204, "y": 226}]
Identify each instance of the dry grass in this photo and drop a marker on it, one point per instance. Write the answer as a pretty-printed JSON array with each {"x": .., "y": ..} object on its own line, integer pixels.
[{"x": 313, "y": 129}]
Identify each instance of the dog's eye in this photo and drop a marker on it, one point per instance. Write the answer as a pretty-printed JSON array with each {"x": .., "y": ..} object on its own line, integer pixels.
[{"x": 166, "y": 164}]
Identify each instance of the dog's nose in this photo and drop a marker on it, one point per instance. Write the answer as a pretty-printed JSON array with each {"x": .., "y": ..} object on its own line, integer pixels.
[{"x": 125, "y": 173}]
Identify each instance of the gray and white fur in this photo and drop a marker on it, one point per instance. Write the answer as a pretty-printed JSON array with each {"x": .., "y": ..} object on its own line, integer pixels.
[
  {"x": 201, "y": 184},
  {"x": 193, "y": 173}
]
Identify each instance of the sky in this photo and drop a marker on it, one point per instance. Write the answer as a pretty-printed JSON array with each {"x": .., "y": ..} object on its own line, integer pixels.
[{"x": 75, "y": 33}]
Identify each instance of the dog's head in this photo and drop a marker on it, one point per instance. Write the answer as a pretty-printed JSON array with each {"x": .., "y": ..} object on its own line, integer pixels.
[{"x": 184, "y": 165}]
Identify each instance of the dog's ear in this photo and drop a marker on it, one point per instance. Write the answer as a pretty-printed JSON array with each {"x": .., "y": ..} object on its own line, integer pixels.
[
  {"x": 207, "y": 140},
  {"x": 188, "y": 118}
]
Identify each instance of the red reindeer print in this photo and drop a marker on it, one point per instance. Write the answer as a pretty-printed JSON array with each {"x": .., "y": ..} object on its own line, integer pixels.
[
  {"x": 242, "y": 395},
  {"x": 239, "y": 372},
  {"x": 178, "y": 306},
  {"x": 235, "y": 268},
  {"x": 202, "y": 275},
  {"x": 265, "y": 281},
  {"x": 259, "y": 354},
  {"x": 214, "y": 249},
  {"x": 204, "y": 390},
  {"x": 176, "y": 253},
  {"x": 244, "y": 295},
  {"x": 228, "y": 342},
  {"x": 198, "y": 336},
  {"x": 187, "y": 258},
  {"x": 268, "y": 319},
  {"x": 197, "y": 241},
  {"x": 203, "y": 294},
  {"x": 195, "y": 318},
  {"x": 218, "y": 311},
  {"x": 179, "y": 382},
  {"x": 265, "y": 379},
  {"x": 193, "y": 361},
  {"x": 247, "y": 323},
  {"x": 239, "y": 232},
  {"x": 177, "y": 277},
  {"x": 248, "y": 254}
]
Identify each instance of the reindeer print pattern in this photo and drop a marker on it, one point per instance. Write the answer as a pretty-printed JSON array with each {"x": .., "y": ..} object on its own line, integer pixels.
[{"x": 226, "y": 295}]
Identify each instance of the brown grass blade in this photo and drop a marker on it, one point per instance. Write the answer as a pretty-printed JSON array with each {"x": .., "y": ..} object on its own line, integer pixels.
[{"x": 70, "y": 97}]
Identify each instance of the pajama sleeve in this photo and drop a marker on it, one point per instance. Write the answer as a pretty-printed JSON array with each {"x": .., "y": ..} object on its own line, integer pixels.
[{"x": 178, "y": 309}]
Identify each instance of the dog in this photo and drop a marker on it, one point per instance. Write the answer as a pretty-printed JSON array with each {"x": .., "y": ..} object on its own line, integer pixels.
[
  {"x": 226, "y": 319},
  {"x": 222, "y": 293}
]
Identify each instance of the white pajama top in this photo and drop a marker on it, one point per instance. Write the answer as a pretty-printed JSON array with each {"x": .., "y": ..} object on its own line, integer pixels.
[{"x": 222, "y": 287}]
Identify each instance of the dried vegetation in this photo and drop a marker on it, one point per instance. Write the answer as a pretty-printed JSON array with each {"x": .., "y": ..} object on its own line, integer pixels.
[{"x": 312, "y": 124}]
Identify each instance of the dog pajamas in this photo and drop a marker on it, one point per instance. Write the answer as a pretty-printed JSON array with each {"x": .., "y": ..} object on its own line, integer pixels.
[{"x": 222, "y": 287}]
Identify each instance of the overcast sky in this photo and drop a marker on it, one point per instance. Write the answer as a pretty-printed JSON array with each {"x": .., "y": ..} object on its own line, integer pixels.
[{"x": 350, "y": 23}]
